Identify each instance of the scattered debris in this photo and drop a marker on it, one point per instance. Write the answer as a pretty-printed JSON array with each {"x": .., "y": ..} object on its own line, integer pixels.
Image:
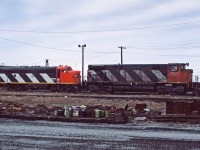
[
  {"x": 140, "y": 119},
  {"x": 175, "y": 111}
]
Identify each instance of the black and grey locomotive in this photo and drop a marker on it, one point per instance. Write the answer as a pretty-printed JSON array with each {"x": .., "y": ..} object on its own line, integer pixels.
[{"x": 140, "y": 77}]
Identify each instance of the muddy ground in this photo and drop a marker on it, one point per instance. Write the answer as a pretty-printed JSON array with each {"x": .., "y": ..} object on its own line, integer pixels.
[{"x": 66, "y": 100}]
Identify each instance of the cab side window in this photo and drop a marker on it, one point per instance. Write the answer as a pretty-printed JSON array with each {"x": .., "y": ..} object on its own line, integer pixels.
[
  {"x": 69, "y": 69},
  {"x": 174, "y": 68},
  {"x": 64, "y": 71},
  {"x": 183, "y": 67}
]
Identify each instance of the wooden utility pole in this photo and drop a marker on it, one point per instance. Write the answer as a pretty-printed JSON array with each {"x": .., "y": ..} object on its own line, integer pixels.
[{"x": 121, "y": 47}]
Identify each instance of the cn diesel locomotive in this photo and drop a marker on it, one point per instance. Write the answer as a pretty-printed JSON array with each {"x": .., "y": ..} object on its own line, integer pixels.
[
  {"x": 60, "y": 78},
  {"x": 161, "y": 78},
  {"x": 172, "y": 77}
]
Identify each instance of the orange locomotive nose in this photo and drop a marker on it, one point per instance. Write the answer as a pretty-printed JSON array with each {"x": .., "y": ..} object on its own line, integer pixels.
[
  {"x": 76, "y": 77},
  {"x": 65, "y": 75}
]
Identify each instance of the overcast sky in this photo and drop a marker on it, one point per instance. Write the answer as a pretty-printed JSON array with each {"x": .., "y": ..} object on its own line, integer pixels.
[{"x": 153, "y": 32}]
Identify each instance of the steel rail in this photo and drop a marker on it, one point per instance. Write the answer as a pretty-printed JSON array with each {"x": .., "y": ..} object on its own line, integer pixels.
[{"x": 157, "y": 98}]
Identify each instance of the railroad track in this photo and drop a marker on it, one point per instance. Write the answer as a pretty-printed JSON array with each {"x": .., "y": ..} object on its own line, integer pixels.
[{"x": 157, "y": 98}]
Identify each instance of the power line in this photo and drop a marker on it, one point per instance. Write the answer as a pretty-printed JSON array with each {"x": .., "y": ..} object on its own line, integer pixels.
[
  {"x": 165, "y": 48},
  {"x": 40, "y": 46},
  {"x": 176, "y": 46},
  {"x": 36, "y": 45},
  {"x": 35, "y": 63},
  {"x": 106, "y": 30},
  {"x": 183, "y": 43},
  {"x": 87, "y": 51},
  {"x": 164, "y": 55}
]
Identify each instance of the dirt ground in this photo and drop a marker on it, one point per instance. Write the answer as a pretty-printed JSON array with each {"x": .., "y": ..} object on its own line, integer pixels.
[{"x": 61, "y": 101}]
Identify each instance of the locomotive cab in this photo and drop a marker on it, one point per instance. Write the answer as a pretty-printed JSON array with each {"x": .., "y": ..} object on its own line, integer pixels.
[
  {"x": 65, "y": 75},
  {"x": 177, "y": 73},
  {"x": 178, "y": 77}
]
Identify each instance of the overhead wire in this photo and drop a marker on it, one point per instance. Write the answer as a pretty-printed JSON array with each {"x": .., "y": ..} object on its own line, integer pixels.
[
  {"x": 168, "y": 45},
  {"x": 36, "y": 45},
  {"x": 165, "y": 48},
  {"x": 106, "y": 30},
  {"x": 164, "y": 55},
  {"x": 35, "y": 63},
  {"x": 136, "y": 47},
  {"x": 111, "y": 52},
  {"x": 40, "y": 46}
]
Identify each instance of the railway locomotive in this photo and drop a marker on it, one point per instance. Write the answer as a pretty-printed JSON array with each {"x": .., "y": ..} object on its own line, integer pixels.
[
  {"x": 161, "y": 78},
  {"x": 20, "y": 78}
]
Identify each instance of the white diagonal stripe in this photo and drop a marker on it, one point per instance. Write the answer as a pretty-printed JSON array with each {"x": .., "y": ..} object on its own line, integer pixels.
[
  {"x": 46, "y": 78},
  {"x": 5, "y": 78},
  {"x": 126, "y": 76},
  {"x": 32, "y": 78},
  {"x": 109, "y": 75},
  {"x": 142, "y": 75},
  {"x": 159, "y": 75},
  {"x": 18, "y": 77}
]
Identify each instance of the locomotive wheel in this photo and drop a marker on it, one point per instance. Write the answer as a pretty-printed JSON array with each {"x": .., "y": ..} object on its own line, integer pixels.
[
  {"x": 179, "y": 90},
  {"x": 197, "y": 91}
]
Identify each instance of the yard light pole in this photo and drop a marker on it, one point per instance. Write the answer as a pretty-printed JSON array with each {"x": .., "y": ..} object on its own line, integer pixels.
[{"x": 82, "y": 62}]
